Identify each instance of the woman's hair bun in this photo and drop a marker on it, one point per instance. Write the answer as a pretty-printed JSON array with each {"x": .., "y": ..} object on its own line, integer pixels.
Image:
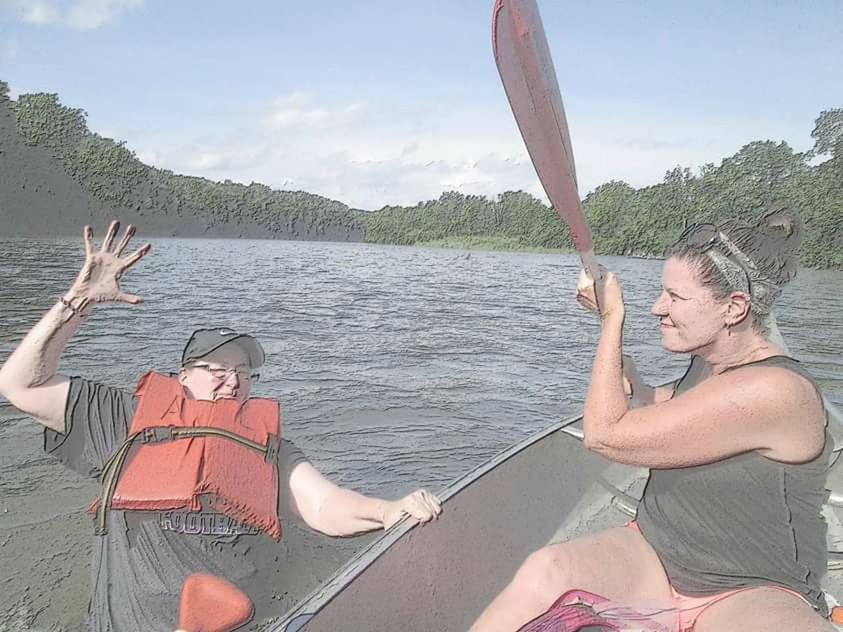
[{"x": 782, "y": 220}]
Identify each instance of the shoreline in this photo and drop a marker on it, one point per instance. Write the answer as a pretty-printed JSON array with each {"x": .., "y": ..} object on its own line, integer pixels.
[
  {"x": 495, "y": 244},
  {"x": 488, "y": 244}
]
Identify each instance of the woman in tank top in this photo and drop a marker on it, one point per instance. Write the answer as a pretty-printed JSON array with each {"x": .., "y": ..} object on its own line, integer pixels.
[{"x": 729, "y": 534}]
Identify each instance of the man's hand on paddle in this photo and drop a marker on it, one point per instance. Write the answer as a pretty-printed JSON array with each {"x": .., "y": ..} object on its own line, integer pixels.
[
  {"x": 421, "y": 505},
  {"x": 99, "y": 279}
]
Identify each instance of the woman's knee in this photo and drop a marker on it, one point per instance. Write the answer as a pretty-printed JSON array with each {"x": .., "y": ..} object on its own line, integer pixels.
[{"x": 544, "y": 575}]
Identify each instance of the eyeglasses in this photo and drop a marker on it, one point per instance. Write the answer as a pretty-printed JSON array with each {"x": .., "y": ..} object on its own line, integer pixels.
[
  {"x": 222, "y": 373},
  {"x": 704, "y": 237}
]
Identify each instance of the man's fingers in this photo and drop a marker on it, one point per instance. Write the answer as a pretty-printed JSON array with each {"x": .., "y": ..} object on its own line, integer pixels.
[
  {"x": 138, "y": 254},
  {"x": 417, "y": 509},
  {"x": 88, "y": 236},
  {"x": 130, "y": 232},
  {"x": 109, "y": 236},
  {"x": 410, "y": 506},
  {"x": 421, "y": 505},
  {"x": 431, "y": 501},
  {"x": 422, "y": 510},
  {"x": 425, "y": 505}
]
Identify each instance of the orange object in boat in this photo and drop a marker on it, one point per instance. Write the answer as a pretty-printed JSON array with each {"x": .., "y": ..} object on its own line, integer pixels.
[{"x": 212, "y": 604}]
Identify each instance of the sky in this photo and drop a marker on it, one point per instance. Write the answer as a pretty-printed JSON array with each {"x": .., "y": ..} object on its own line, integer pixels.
[{"x": 382, "y": 102}]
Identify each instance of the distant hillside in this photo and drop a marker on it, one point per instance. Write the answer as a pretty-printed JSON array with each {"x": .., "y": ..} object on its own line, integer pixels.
[{"x": 56, "y": 175}]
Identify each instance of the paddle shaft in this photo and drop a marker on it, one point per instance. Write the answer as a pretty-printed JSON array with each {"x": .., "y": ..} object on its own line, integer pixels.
[
  {"x": 589, "y": 262},
  {"x": 529, "y": 79}
]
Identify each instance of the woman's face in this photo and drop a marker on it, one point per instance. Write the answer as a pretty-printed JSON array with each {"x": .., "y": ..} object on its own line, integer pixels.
[{"x": 689, "y": 316}]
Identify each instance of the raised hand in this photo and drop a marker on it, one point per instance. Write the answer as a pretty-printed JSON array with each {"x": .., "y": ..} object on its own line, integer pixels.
[
  {"x": 421, "y": 504},
  {"x": 99, "y": 279}
]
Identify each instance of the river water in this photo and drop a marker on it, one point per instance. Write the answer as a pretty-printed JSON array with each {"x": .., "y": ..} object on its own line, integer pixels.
[{"x": 396, "y": 366}]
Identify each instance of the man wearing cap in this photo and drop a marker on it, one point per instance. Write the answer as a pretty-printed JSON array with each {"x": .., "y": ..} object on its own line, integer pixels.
[{"x": 192, "y": 467}]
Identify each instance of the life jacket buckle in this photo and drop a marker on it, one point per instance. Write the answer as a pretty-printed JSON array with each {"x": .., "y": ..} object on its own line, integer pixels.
[
  {"x": 273, "y": 444},
  {"x": 156, "y": 434}
]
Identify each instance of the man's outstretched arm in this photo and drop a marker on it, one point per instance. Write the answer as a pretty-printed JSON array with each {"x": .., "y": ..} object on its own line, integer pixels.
[
  {"x": 28, "y": 378},
  {"x": 336, "y": 511}
]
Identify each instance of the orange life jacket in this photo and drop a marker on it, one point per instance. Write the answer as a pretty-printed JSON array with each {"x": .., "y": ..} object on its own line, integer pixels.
[{"x": 167, "y": 470}]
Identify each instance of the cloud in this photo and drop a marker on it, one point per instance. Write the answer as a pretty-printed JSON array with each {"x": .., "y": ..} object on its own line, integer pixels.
[
  {"x": 363, "y": 156},
  {"x": 76, "y": 14},
  {"x": 149, "y": 157},
  {"x": 368, "y": 155},
  {"x": 92, "y": 14},
  {"x": 208, "y": 161},
  {"x": 293, "y": 112},
  {"x": 35, "y": 12}
]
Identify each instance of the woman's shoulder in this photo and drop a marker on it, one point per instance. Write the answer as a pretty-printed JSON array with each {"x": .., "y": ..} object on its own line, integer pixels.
[
  {"x": 794, "y": 407},
  {"x": 775, "y": 367},
  {"x": 772, "y": 374},
  {"x": 779, "y": 369}
]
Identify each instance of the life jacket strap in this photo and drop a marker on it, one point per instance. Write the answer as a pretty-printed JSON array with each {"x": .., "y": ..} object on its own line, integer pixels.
[{"x": 157, "y": 434}]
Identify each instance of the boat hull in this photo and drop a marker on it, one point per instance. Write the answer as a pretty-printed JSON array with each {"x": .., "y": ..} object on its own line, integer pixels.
[{"x": 441, "y": 576}]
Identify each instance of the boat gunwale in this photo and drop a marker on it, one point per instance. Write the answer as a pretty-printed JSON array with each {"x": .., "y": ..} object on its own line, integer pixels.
[{"x": 364, "y": 558}]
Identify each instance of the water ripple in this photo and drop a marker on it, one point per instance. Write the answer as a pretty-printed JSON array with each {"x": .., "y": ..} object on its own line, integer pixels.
[{"x": 395, "y": 366}]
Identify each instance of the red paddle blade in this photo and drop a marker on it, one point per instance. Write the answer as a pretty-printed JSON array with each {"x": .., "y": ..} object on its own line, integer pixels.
[
  {"x": 211, "y": 604},
  {"x": 529, "y": 79}
]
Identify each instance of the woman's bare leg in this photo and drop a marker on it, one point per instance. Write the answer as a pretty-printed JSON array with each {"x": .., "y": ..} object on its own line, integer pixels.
[
  {"x": 617, "y": 564},
  {"x": 761, "y": 610}
]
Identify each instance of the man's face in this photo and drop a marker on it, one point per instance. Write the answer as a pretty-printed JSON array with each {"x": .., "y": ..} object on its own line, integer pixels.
[{"x": 222, "y": 374}]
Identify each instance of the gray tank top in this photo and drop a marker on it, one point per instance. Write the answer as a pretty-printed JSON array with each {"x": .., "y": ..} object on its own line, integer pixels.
[{"x": 740, "y": 522}]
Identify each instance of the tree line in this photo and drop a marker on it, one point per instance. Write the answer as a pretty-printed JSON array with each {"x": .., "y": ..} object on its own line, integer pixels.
[
  {"x": 624, "y": 220},
  {"x": 644, "y": 222}
]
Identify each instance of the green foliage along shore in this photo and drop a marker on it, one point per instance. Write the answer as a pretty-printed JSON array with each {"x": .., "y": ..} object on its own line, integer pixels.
[
  {"x": 644, "y": 222},
  {"x": 113, "y": 175},
  {"x": 624, "y": 220}
]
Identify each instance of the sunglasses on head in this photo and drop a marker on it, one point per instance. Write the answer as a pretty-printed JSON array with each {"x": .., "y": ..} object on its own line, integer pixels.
[{"x": 700, "y": 236}]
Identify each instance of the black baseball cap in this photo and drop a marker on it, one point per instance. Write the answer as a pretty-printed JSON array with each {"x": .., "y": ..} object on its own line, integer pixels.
[{"x": 203, "y": 341}]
